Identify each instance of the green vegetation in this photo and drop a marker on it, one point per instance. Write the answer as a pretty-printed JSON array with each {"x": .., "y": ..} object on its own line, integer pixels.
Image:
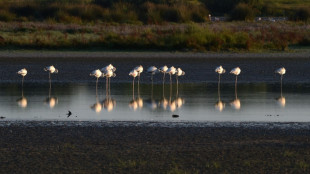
[
  {"x": 148, "y": 11},
  {"x": 233, "y": 36},
  {"x": 129, "y": 24}
]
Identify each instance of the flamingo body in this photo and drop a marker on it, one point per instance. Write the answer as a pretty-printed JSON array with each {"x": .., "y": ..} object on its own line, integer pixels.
[
  {"x": 22, "y": 72},
  {"x": 108, "y": 68},
  {"x": 163, "y": 69},
  {"x": 133, "y": 73},
  {"x": 51, "y": 69},
  {"x": 281, "y": 71},
  {"x": 172, "y": 70},
  {"x": 236, "y": 71},
  {"x": 220, "y": 70},
  {"x": 139, "y": 69},
  {"x": 96, "y": 73},
  {"x": 152, "y": 70},
  {"x": 180, "y": 72}
]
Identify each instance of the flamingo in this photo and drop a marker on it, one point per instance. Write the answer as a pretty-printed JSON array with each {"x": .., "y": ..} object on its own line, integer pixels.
[
  {"x": 220, "y": 70},
  {"x": 163, "y": 70},
  {"x": 152, "y": 70},
  {"x": 96, "y": 73},
  {"x": 22, "y": 72},
  {"x": 108, "y": 68},
  {"x": 139, "y": 69},
  {"x": 171, "y": 71},
  {"x": 236, "y": 71},
  {"x": 178, "y": 73},
  {"x": 108, "y": 74},
  {"x": 134, "y": 74},
  {"x": 51, "y": 70},
  {"x": 281, "y": 72}
]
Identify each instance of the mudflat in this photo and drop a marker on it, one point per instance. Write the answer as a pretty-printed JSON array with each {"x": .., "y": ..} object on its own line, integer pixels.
[{"x": 153, "y": 149}]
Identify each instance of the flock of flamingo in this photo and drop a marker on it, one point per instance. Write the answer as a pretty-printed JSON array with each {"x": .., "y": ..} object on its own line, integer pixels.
[{"x": 109, "y": 71}]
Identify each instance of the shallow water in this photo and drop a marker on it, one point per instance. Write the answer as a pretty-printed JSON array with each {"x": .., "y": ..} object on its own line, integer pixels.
[
  {"x": 197, "y": 98},
  {"x": 259, "y": 102}
]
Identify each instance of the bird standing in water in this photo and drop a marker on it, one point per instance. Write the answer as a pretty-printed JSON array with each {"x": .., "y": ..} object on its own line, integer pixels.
[
  {"x": 22, "y": 72},
  {"x": 96, "y": 73}
]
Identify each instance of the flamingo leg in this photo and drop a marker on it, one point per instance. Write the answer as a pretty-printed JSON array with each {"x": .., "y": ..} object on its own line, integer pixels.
[
  {"x": 23, "y": 86},
  {"x": 133, "y": 89},
  {"x": 218, "y": 88},
  {"x": 96, "y": 87},
  {"x": 177, "y": 86},
  {"x": 109, "y": 86},
  {"x": 23, "y": 82},
  {"x": 106, "y": 87},
  {"x": 281, "y": 84},
  {"x": 236, "y": 87},
  {"x": 49, "y": 77},
  {"x": 164, "y": 78}
]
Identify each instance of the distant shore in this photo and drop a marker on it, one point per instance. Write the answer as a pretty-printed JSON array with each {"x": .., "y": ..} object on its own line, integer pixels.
[{"x": 146, "y": 55}]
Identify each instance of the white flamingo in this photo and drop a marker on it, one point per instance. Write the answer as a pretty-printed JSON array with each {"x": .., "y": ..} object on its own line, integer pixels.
[
  {"x": 108, "y": 74},
  {"x": 236, "y": 71},
  {"x": 152, "y": 70},
  {"x": 51, "y": 70},
  {"x": 134, "y": 74},
  {"x": 219, "y": 104},
  {"x": 220, "y": 70},
  {"x": 108, "y": 68},
  {"x": 171, "y": 71},
  {"x": 23, "y": 73},
  {"x": 178, "y": 73},
  {"x": 139, "y": 69},
  {"x": 163, "y": 70},
  {"x": 96, "y": 73},
  {"x": 281, "y": 72}
]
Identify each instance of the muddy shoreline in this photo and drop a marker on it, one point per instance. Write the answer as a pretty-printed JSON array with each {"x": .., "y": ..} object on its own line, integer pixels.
[{"x": 153, "y": 149}]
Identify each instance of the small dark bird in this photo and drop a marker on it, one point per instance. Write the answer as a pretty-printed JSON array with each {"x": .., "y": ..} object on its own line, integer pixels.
[
  {"x": 2, "y": 117},
  {"x": 69, "y": 114},
  {"x": 175, "y": 116}
]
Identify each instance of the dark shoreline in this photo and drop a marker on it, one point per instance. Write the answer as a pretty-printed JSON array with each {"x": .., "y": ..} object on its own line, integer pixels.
[{"x": 138, "y": 148}]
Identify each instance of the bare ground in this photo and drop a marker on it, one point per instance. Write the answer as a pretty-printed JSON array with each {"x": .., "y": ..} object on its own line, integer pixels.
[{"x": 140, "y": 149}]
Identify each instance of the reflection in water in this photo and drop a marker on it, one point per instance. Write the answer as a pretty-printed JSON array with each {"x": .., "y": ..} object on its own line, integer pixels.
[
  {"x": 151, "y": 104},
  {"x": 219, "y": 105},
  {"x": 235, "y": 104},
  {"x": 22, "y": 102},
  {"x": 51, "y": 101},
  {"x": 136, "y": 103},
  {"x": 281, "y": 101},
  {"x": 163, "y": 103},
  {"x": 97, "y": 107},
  {"x": 109, "y": 104}
]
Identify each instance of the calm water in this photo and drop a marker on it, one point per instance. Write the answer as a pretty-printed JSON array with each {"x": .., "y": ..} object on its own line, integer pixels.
[
  {"x": 194, "y": 102},
  {"x": 197, "y": 97}
]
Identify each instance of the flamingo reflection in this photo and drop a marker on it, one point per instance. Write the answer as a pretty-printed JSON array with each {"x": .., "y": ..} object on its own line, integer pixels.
[
  {"x": 22, "y": 102},
  {"x": 50, "y": 100}
]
